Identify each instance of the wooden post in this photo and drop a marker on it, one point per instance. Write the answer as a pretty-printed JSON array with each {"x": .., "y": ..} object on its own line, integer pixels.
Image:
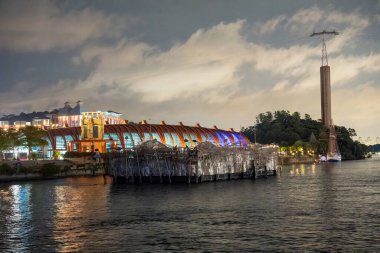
[
  {"x": 126, "y": 168},
  {"x": 188, "y": 172},
  {"x": 138, "y": 166},
  {"x": 159, "y": 167}
]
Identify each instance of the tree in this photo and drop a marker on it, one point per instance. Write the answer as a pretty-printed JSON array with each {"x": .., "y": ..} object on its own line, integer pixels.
[
  {"x": 13, "y": 138},
  {"x": 33, "y": 137},
  {"x": 4, "y": 143},
  {"x": 286, "y": 129}
]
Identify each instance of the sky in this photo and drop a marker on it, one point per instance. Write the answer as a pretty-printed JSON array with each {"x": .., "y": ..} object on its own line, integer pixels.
[{"x": 213, "y": 62}]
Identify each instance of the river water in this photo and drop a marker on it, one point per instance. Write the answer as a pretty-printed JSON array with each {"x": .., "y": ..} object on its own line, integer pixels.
[{"x": 306, "y": 208}]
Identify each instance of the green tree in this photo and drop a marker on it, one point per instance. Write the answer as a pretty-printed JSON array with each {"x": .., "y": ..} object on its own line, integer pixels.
[
  {"x": 13, "y": 139},
  {"x": 286, "y": 129},
  {"x": 33, "y": 137},
  {"x": 4, "y": 143}
]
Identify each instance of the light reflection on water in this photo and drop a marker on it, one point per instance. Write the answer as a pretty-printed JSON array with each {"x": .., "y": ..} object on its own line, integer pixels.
[{"x": 325, "y": 207}]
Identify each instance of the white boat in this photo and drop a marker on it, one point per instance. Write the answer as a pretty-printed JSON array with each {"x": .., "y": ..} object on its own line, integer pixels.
[{"x": 334, "y": 157}]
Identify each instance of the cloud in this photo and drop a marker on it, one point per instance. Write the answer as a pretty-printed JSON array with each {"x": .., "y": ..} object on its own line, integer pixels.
[
  {"x": 281, "y": 86},
  {"x": 357, "y": 108},
  {"x": 199, "y": 79},
  {"x": 206, "y": 61},
  {"x": 304, "y": 19},
  {"x": 315, "y": 18},
  {"x": 270, "y": 25},
  {"x": 40, "y": 26}
]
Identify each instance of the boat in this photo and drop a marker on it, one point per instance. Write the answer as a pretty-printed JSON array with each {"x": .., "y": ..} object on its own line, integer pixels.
[{"x": 334, "y": 157}]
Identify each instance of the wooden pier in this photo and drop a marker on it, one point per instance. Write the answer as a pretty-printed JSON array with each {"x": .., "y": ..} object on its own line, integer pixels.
[{"x": 153, "y": 162}]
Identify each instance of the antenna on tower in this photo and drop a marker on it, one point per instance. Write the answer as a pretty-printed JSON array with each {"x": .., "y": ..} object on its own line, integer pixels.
[{"x": 324, "y": 58}]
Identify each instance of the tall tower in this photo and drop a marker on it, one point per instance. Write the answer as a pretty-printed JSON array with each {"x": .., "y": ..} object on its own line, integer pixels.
[
  {"x": 325, "y": 81},
  {"x": 325, "y": 95},
  {"x": 333, "y": 154}
]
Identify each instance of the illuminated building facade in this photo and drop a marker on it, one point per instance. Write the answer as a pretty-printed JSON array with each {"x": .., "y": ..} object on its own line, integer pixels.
[
  {"x": 92, "y": 134},
  {"x": 72, "y": 117},
  {"x": 127, "y": 136}
]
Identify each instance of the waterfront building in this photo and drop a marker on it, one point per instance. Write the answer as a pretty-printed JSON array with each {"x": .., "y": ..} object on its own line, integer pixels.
[
  {"x": 128, "y": 135},
  {"x": 74, "y": 129}
]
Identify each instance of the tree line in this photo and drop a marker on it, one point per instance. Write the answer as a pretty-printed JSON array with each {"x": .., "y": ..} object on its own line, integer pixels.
[
  {"x": 28, "y": 136},
  {"x": 301, "y": 135}
]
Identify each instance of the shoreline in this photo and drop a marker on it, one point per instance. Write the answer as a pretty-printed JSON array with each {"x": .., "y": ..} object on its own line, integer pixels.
[{"x": 29, "y": 170}]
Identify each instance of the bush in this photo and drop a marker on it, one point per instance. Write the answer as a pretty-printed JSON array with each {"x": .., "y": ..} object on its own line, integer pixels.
[
  {"x": 56, "y": 154},
  {"x": 26, "y": 170},
  {"x": 33, "y": 156},
  {"x": 49, "y": 169},
  {"x": 66, "y": 169},
  {"x": 5, "y": 168}
]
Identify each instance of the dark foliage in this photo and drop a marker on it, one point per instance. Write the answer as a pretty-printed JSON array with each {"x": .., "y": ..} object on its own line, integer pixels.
[
  {"x": 49, "y": 169},
  {"x": 286, "y": 129},
  {"x": 6, "y": 169}
]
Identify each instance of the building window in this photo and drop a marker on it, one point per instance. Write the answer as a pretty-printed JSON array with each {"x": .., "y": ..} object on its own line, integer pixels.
[
  {"x": 168, "y": 140},
  {"x": 136, "y": 138},
  {"x": 95, "y": 132},
  {"x": 85, "y": 132},
  {"x": 177, "y": 141},
  {"x": 60, "y": 143},
  {"x": 156, "y": 136},
  {"x": 128, "y": 140}
]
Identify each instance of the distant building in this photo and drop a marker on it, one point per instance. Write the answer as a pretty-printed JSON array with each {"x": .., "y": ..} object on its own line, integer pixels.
[
  {"x": 20, "y": 124},
  {"x": 41, "y": 123},
  {"x": 66, "y": 116},
  {"x": 112, "y": 118},
  {"x": 4, "y": 124}
]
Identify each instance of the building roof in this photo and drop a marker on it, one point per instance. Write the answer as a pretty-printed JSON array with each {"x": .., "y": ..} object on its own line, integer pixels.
[
  {"x": 65, "y": 111},
  {"x": 171, "y": 135}
]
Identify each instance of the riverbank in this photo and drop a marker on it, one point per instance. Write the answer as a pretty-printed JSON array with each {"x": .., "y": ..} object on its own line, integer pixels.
[{"x": 45, "y": 169}]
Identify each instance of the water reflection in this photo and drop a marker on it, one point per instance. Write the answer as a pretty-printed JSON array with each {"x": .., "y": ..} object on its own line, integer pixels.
[
  {"x": 77, "y": 202},
  {"x": 49, "y": 216},
  {"x": 15, "y": 204},
  {"x": 302, "y": 169}
]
